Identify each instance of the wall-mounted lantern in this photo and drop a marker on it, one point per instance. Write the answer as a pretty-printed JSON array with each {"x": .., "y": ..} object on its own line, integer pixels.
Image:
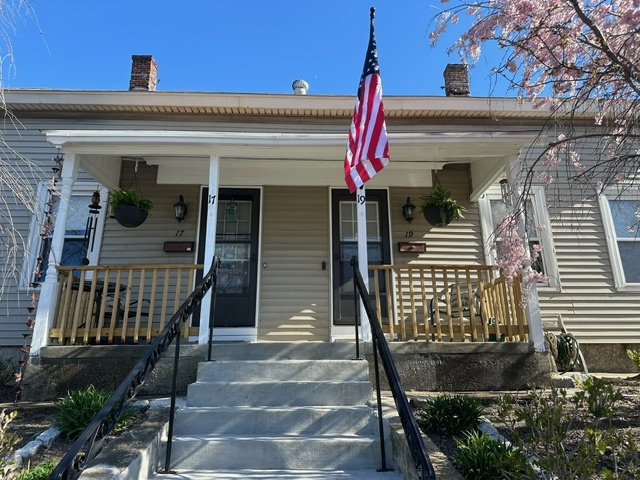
[
  {"x": 407, "y": 210},
  {"x": 181, "y": 209}
]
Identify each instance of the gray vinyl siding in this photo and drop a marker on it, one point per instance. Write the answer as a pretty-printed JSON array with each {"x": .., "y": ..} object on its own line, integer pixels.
[
  {"x": 294, "y": 293},
  {"x": 27, "y": 140},
  {"x": 590, "y": 305}
]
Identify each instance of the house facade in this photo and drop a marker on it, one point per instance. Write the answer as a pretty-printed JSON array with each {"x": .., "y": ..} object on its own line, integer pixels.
[{"x": 262, "y": 178}]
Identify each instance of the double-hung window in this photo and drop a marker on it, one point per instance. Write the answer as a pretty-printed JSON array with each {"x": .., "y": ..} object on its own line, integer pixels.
[
  {"x": 76, "y": 248},
  {"x": 621, "y": 216},
  {"x": 538, "y": 228}
]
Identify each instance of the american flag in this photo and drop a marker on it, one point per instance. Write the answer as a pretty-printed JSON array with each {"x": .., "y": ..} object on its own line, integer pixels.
[{"x": 368, "y": 147}]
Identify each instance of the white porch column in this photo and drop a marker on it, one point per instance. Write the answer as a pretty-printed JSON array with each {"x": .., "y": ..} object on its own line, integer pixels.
[
  {"x": 49, "y": 288},
  {"x": 209, "y": 243},
  {"x": 532, "y": 309},
  {"x": 363, "y": 257}
]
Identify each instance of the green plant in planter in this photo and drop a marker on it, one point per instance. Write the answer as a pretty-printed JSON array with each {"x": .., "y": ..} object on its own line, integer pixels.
[
  {"x": 129, "y": 207},
  {"x": 129, "y": 197},
  {"x": 441, "y": 200}
]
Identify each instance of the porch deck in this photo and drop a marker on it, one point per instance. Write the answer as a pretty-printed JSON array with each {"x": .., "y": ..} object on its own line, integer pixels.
[{"x": 442, "y": 303}]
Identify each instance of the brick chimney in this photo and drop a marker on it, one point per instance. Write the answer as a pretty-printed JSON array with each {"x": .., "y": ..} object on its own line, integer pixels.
[
  {"x": 144, "y": 73},
  {"x": 456, "y": 80}
]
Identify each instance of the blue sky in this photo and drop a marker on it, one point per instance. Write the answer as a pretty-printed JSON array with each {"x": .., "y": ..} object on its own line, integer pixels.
[{"x": 224, "y": 46}]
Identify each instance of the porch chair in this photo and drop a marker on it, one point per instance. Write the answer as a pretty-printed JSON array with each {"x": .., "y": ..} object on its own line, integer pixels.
[
  {"x": 450, "y": 303},
  {"x": 118, "y": 301}
]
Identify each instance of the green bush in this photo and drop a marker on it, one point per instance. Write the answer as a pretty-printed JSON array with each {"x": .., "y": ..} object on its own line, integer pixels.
[
  {"x": 77, "y": 409},
  {"x": 573, "y": 436},
  {"x": 39, "y": 472},
  {"x": 451, "y": 414},
  {"x": 635, "y": 356},
  {"x": 600, "y": 397},
  {"x": 480, "y": 457}
]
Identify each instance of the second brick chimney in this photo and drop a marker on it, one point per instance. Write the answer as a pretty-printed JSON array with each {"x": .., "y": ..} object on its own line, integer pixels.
[
  {"x": 144, "y": 73},
  {"x": 456, "y": 80}
]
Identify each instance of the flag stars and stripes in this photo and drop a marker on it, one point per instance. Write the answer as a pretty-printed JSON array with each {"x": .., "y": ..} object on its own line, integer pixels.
[{"x": 368, "y": 146}]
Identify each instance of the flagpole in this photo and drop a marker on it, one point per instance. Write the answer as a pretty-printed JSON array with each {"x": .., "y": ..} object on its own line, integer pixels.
[
  {"x": 363, "y": 257},
  {"x": 367, "y": 152}
]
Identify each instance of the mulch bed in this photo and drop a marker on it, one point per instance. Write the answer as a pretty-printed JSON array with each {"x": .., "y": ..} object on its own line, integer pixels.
[{"x": 627, "y": 417}]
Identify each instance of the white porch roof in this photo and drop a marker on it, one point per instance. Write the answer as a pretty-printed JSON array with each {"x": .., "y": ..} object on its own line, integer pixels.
[{"x": 250, "y": 158}]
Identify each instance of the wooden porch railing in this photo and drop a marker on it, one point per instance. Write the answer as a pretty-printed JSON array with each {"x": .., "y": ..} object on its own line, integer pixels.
[
  {"x": 455, "y": 303},
  {"x": 113, "y": 304}
]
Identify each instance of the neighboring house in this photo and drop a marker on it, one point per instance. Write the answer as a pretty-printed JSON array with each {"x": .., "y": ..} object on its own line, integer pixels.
[{"x": 281, "y": 218}]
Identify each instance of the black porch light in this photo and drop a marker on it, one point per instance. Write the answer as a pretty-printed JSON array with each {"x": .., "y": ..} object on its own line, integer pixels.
[
  {"x": 407, "y": 210},
  {"x": 181, "y": 209}
]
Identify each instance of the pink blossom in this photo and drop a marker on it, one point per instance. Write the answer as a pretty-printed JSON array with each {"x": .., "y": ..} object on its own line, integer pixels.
[
  {"x": 545, "y": 177},
  {"x": 514, "y": 259}
]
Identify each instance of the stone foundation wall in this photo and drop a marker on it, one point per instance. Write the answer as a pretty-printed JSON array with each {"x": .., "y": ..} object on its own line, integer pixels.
[{"x": 422, "y": 366}]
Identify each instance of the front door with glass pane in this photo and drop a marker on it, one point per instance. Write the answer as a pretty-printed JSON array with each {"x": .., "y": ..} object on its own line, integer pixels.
[
  {"x": 345, "y": 246},
  {"x": 237, "y": 248}
]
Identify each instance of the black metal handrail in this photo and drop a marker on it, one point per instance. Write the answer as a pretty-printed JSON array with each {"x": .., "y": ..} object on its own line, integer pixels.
[
  {"x": 88, "y": 444},
  {"x": 410, "y": 426}
]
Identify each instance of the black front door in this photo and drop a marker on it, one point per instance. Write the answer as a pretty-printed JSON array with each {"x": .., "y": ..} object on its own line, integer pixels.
[
  {"x": 237, "y": 248},
  {"x": 345, "y": 246}
]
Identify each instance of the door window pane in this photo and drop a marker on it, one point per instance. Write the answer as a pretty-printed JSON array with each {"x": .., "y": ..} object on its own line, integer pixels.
[{"x": 234, "y": 220}]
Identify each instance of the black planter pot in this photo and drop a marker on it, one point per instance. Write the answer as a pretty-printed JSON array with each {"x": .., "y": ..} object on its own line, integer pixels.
[
  {"x": 432, "y": 215},
  {"x": 130, "y": 216}
]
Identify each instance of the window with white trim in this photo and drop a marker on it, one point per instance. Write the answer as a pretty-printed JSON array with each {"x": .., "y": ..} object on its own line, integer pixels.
[
  {"x": 75, "y": 248},
  {"x": 538, "y": 227},
  {"x": 620, "y": 216}
]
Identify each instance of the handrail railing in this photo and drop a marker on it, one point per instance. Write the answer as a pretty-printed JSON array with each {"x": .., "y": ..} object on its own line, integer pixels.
[
  {"x": 106, "y": 304},
  {"x": 86, "y": 447},
  {"x": 453, "y": 303},
  {"x": 410, "y": 426}
]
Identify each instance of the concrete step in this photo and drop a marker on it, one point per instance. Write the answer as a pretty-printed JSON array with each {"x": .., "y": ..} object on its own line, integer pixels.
[
  {"x": 257, "y": 394},
  {"x": 280, "y": 411},
  {"x": 275, "y": 420},
  {"x": 245, "y": 474},
  {"x": 284, "y": 351},
  {"x": 345, "y": 452},
  {"x": 282, "y": 370}
]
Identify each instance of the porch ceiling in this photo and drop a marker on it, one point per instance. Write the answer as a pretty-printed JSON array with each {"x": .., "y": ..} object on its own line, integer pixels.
[{"x": 263, "y": 158}]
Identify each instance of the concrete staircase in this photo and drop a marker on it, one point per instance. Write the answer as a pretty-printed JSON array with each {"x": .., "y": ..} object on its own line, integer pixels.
[{"x": 279, "y": 411}]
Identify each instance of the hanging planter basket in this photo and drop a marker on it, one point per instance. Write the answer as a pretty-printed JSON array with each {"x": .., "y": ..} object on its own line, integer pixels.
[
  {"x": 129, "y": 207},
  {"x": 433, "y": 216},
  {"x": 440, "y": 208},
  {"x": 130, "y": 216}
]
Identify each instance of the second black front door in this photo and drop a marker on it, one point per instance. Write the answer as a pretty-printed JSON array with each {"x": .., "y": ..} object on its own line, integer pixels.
[{"x": 345, "y": 246}]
